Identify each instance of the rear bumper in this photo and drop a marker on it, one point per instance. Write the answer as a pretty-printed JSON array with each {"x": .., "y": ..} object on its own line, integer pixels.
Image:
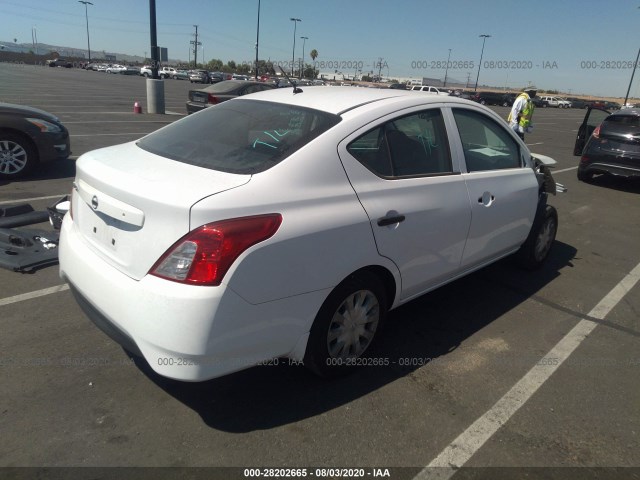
[
  {"x": 193, "y": 107},
  {"x": 184, "y": 332},
  {"x": 612, "y": 169}
]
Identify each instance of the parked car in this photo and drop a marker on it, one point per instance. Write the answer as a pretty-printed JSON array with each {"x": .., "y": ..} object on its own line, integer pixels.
[
  {"x": 115, "y": 68},
  {"x": 59, "y": 62},
  {"x": 398, "y": 86},
  {"x": 219, "y": 76},
  {"x": 199, "y": 76},
  {"x": 578, "y": 102},
  {"x": 557, "y": 102},
  {"x": 429, "y": 89},
  {"x": 181, "y": 75},
  {"x": 221, "y": 92},
  {"x": 609, "y": 143},
  {"x": 539, "y": 102},
  {"x": 130, "y": 70},
  {"x": 29, "y": 136},
  {"x": 166, "y": 72},
  {"x": 146, "y": 71},
  {"x": 495, "y": 98},
  {"x": 288, "y": 225}
]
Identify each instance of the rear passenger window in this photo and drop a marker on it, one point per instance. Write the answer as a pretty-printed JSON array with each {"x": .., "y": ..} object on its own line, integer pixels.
[
  {"x": 413, "y": 145},
  {"x": 486, "y": 144}
]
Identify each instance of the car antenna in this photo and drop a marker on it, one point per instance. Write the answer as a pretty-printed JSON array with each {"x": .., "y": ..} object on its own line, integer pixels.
[{"x": 295, "y": 86}]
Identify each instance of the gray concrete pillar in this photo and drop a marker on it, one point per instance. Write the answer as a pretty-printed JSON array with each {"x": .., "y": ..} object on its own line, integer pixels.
[{"x": 155, "y": 96}]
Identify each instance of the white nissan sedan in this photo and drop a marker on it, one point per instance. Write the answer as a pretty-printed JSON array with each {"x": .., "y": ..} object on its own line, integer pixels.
[{"x": 288, "y": 223}]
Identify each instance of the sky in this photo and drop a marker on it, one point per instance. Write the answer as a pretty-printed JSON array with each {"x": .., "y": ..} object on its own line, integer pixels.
[{"x": 579, "y": 47}]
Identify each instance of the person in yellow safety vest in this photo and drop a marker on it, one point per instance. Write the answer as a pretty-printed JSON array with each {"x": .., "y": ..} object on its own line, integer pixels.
[{"x": 522, "y": 111}]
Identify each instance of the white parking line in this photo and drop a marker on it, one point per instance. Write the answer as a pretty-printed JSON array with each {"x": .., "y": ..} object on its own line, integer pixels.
[
  {"x": 564, "y": 170},
  {"x": 458, "y": 452},
  {"x": 38, "y": 293},
  {"x": 18, "y": 200}
]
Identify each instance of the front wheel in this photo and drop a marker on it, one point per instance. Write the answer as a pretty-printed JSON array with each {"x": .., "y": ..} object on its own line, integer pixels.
[
  {"x": 535, "y": 250},
  {"x": 17, "y": 156},
  {"x": 346, "y": 325}
]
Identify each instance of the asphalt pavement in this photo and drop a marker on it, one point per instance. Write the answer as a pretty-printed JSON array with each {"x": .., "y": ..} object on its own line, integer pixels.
[{"x": 512, "y": 373}]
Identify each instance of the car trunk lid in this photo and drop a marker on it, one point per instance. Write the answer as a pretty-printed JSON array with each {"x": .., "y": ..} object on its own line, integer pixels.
[{"x": 131, "y": 205}]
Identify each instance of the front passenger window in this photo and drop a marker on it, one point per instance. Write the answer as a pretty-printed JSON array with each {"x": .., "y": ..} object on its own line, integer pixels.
[{"x": 487, "y": 145}]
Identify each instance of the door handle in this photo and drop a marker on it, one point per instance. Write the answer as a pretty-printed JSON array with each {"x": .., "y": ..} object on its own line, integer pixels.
[
  {"x": 390, "y": 220},
  {"x": 486, "y": 199}
]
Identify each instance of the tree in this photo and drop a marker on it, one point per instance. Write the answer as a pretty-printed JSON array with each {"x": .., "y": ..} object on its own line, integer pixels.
[
  {"x": 214, "y": 64},
  {"x": 313, "y": 54}
]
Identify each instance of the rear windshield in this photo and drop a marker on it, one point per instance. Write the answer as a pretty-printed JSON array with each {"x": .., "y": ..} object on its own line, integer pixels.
[
  {"x": 239, "y": 136},
  {"x": 623, "y": 120}
]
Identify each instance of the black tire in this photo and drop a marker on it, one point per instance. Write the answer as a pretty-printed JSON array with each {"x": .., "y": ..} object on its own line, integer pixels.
[
  {"x": 18, "y": 156},
  {"x": 483, "y": 102},
  {"x": 146, "y": 75},
  {"x": 535, "y": 250},
  {"x": 586, "y": 177},
  {"x": 366, "y": 294}
]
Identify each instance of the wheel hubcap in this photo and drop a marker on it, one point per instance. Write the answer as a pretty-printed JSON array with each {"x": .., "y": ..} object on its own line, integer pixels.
[
  {"x": 545, "y": 239},
  {"x": 353, "y": 325},
  {"x": 13, "y": 157}
]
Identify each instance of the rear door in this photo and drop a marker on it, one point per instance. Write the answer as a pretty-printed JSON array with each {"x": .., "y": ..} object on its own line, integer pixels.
[
  {"x": 415, "y": 197},
  {"x": 593, "y": 118}
]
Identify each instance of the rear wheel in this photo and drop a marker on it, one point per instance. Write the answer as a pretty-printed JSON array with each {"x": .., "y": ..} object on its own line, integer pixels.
[
  {"x": 18, "y": 156},
  {"x": 346, "y": 325},
  {"x": 535, "y": 250},
  {"x": 585, "y": 176}
]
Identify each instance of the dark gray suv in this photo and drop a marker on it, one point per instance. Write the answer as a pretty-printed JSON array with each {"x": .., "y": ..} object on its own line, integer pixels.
[{"x": 29, "y": 136}]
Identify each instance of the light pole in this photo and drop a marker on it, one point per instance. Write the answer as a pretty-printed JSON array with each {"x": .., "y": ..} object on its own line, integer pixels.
[
  {"x": 304, "y": 41},
  {"x": 86, "y": 15},
  {"x": 635, "y": 65},
  {"x": 447, "y": 69},
  {"x": 484, "y": 39},
  {"x": 293, "y": 58},
  {"x": 257, "y": 39}
]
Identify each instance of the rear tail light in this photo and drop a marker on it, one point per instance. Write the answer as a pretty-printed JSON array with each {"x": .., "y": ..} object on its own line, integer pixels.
[
  {"x": 212, "y": 99},
  {"x": 203, "y": 256},
  {"x": 584, "y": 159},
  {"x": 596, "y": 132}
]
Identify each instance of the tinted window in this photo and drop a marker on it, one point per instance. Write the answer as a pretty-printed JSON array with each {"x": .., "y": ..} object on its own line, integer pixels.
[
  {"x": 407, "y": 146},
  {"x": 633, "y": 120},
  {"x": 487, "y": 145},
  {"x": 239, "y": 136}
]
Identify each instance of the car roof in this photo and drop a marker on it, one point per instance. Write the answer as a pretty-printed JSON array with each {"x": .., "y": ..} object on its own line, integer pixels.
[
  {"x": 338, "y": 100},
  {"x": 627, "y": 111}
]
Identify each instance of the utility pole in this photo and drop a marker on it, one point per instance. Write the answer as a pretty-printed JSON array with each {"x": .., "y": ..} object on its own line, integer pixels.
[
  {"x": 86, "y": 16},
  {"x": 304, "y": 41},
  {"x": 380, "y": 66},
  {"x": 293, "y": 57},
  {"x": 447, "y": 69},
  {"x": 484, "y": 39},
  {"x": 195, "y": 44}
]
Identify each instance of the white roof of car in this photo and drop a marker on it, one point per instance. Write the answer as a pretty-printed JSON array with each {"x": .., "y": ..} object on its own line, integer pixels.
[{"x": 338, "y": 100}]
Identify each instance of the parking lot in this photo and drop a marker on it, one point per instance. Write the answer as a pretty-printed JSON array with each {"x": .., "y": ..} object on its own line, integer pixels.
[{"x": 73, "y": 398}]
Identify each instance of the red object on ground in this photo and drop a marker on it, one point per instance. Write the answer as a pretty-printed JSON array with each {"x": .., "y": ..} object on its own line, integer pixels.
[{"x": 137, "y": 108}]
